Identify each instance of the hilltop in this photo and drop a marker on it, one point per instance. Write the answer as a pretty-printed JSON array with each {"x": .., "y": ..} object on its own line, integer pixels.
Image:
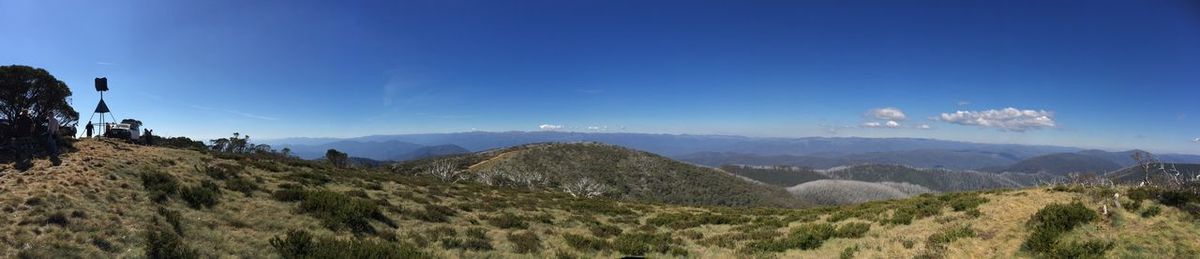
[{"x": 116, "y": 200}]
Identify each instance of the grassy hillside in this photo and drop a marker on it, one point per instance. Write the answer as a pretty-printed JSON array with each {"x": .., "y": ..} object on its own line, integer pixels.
[
  {"x": 833, "y": 192},
  {"x": 624, "y": 174},
  {"x": 782, "y": 176},
  {"x": 117, "y": 200}
]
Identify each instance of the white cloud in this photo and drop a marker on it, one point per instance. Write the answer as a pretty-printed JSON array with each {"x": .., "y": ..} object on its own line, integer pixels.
[
  {"x": 1007, "y": 119},
  {"x": 1197, "y": 140},
  {"x": 888, "y": 113},
  {"x": 550, "y": 127},
  {"x": 886, "y": 124},
  {"x": 924, "y": 126}
]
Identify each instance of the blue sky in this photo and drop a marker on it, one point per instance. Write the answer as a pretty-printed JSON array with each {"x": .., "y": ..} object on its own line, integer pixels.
[{"x": 1103, "y": 74}]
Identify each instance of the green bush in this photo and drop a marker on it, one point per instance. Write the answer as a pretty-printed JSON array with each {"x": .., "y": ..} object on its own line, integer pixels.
[
  {"x": 848, "y": 253},
  {"x": 643, "y": 243},
  {"x": 852, "y": 230},
  {"x": 604, "y": 231},
  {"x": 300, "y": 244},
  {"x": 164, "y": 243},
  {"x": 583, "y": 243},
  {"x": 969, "y": 202},
  {"x": 949, "y": 235},
  {"x": 221, "y": 171},
  {"x": 805, "y": 237},
  {"x": 241, "y": 184},
  {"x": 337, "y": 210},
  {"x": 1088, "y": 249},
  {"x": 525, "y": 242},
  {"x": 160, "y": 185},
  {"x": 690, "y": 220},
  {"x": 467, "y": 244},
  {"x": 436, "y": 213},
  {"x": 508, "y": 221},
  {"x": 1151, "y": 211},
  {"x": 205, "y": 195},
  {"x": 1052, "y": 221},
  {"x": 173, "y": 218},
  {"x": 288, "y": 195}
]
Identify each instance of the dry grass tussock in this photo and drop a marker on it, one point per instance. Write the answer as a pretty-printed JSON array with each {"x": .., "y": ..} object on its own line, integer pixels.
[{"x": 97, "y": 205}]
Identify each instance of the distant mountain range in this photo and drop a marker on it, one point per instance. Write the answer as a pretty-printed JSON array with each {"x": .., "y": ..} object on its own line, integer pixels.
[
  {"x": 717, "y": 150},
  {"x": 391, "y": 150}
]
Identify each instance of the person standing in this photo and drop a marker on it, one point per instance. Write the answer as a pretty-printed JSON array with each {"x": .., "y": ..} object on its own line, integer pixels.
[
  {"x": 22, "y": 133},
  {"x": 52, "y": 137},
  {"x": 89, "y": 129},
  {"x": 149, "y": 137}
]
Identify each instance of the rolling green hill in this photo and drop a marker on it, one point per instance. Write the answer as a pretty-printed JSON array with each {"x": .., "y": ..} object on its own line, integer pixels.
[{"x": 624, "y": 174}]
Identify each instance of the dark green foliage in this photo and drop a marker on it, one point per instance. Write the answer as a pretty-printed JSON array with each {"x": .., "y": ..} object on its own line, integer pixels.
[
  {"x": 1151, "y": 211},
  {"x": 242, "y": 184},
  {"x": 165, "y": 243},
  {"x": 644, "y": 243},
  {"x": 337, "y": 210},
  {"x": 467, "y": 244},
  {"x": 1182, "y": 199},
  {"x": 852, "y": 230},
  {"x": 1052, "y": 221},
  {"x": 508, "y": 221},
  {"x": 974, "y": 213},
  {"x": 160, "y": 185},
  {"x": 690, "y": 220},
  {"x": 436, "y": 213},
  {"x": 604, "y": 231},
  {"x": 583, "y": 243},
  {"x": 300, "y": 244},
  {"x": 204, "y": 195},
  {"x": 597, "y": 206},
  {"x": 288, "y": 195},
  {"x": 805, "y": 237},
  {"x": 967, "y": 202},
  {"x": 525, "y": 242},
  {"x": 173, "y": 218},
  {"x": 57, "y": 218},
  {"x": 179, "y": 143}
]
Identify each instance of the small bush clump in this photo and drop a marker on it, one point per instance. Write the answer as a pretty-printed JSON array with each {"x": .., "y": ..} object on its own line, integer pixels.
[
  {"x": 300, "y": 244},
  {"x": 435, "y": 213},
  {"x": 508, "y": 221},
  {"x": 852, "y": 230},
  {"x": 605, "y": 231},
  {"x": 241, "y": 184},
  {"x": 525, "y": 242},
  {"x": 164, "y": 243},
  {"x": 337, "y": 210},
  {"x": 205, "y": 195},
  {"x": 690, "y": 220},
  {"x": 583, "y": 243},
  {"x": 644, "y": 243},
  {"x": 160, "y": 185},
  {"x": 1151, "y": 211},
  {"x": 1052, "y": 221}
]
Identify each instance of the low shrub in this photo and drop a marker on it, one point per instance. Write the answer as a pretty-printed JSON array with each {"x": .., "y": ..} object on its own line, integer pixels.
[
  {"x": 968, "y": 202},
  {"x": 1052, "y": 221},
  {"x": 604, "y": 231},
  {"x": 173, "y": 218},
  {"x": 220, "y": 171},
  {"x": 583, "y": 243},
  {"x": 643, "y": 243},
  {"x": 467, "y": 244},
  {"x": 204, "y": 195},
  {"x": 337, "y": 210},
  {"x": 508, "y": 221},
  {"x": 525, "y": 242},
  {"x": 435, "y": 213},
  {"x": 160, "y": 185},
  {"x": 852, "y": 230},
  {"x": 164, "y": 243},
  {"x": 1151, "y": 211},
  {"x": 805, "y": 237},
  {"x": 300, "y": 244},
  {"x": 1087, "y": 249},
  {"x": 241, "y": 184},
  {"x": 288, "y": 195},
  {"x": 949, "y": 235},
  {"x": 848, "y": 253},
  {"x": 690, "y": 220}
]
